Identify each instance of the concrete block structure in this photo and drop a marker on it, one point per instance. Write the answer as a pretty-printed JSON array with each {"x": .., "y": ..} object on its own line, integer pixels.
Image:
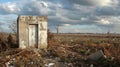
[{"x": 32, "y": 31}]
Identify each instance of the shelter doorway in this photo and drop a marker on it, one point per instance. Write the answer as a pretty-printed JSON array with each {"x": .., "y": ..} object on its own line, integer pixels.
[{"x": 33, "y": 35}]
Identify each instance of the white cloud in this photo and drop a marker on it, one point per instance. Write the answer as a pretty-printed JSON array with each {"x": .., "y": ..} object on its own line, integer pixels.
[
  {"x": 66, "y": 25},
  {"x": 102, "y": 2},
  {"x": 103, "y": 21},
  {"x": 83, "y": 18},
  {"x": 23, "y": 7},
  {"x": 10, "y": 7},
  {"x": 44, "y": 3},
  {"x": 96, "y": 2}
]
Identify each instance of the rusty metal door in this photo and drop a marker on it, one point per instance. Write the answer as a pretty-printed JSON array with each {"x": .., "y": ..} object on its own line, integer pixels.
[{"x": 33, "y": 35}]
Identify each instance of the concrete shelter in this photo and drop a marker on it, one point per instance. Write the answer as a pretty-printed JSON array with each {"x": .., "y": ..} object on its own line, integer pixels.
[{"x": 32, "y": 31}]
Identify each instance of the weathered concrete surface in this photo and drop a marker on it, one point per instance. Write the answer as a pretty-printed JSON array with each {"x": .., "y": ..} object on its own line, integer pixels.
[{"x": 32, "y": 31}]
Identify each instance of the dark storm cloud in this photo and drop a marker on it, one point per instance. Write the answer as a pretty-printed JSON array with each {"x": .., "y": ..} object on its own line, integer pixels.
[{"x": 107, "y": 11}]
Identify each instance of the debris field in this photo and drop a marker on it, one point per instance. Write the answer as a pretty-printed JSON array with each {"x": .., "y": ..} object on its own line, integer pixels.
[{"x": 64, "y": 50}]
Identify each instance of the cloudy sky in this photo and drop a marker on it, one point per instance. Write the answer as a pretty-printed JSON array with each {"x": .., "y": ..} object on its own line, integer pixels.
[{"x": 73, "y": 16}]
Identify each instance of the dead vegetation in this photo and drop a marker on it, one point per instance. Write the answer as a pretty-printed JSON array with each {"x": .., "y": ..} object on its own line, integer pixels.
[
  {"x": 7, "y": 41},
  {"x": 63, "y": 51}
]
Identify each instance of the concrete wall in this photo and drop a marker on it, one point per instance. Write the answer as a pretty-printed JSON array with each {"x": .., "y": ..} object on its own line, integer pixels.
[{"x": 23, "y": 31}]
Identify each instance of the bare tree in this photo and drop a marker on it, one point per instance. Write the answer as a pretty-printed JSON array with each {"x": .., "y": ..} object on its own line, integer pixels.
[
  {"x": 11, "y": 40},
  {"x": 13, "y": 27},
  {"x": 0, "y": 26},
  {"x": 57, "y": 28}
]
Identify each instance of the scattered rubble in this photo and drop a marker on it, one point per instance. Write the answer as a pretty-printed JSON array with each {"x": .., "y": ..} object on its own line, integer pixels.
[
  {"x": 54, "y": 57},
  {"x": 62, "y": 54},
  {"x": 97, "y": 55}
]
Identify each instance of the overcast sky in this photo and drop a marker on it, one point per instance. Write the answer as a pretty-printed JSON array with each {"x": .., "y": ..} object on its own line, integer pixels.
[{"x": 73, "y": 16}]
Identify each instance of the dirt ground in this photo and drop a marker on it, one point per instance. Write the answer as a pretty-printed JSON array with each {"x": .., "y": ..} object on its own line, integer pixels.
[{"x": 64, "y": 50}]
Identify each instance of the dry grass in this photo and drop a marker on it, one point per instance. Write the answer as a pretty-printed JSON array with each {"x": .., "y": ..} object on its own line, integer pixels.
[
  {"x": 71, "y": 49},
  {"x": 82, "y": 44}
]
